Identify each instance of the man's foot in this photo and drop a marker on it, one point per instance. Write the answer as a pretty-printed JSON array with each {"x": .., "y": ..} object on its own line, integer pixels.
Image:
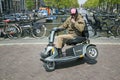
[
  {"x": 60, "y": 52},
  {"x": 60, "y": 55}
]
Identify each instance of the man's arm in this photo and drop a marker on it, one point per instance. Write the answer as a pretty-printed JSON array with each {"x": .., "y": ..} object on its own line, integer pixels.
[
  {"x": 65, "y": 24},
  {"x": 80, "y": 24}
]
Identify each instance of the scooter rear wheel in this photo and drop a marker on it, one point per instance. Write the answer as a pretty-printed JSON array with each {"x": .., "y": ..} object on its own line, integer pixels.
[
  {"x": 49, "y": 66},
  {"x": 91, "y": 52}
]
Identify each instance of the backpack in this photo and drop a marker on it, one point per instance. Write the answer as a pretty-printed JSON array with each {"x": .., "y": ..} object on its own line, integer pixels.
[
  {"x": 85, "y": 33},
  {"x": 88, "y": 30}
]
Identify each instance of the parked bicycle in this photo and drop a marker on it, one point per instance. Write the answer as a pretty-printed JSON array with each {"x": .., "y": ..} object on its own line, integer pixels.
[
  {"x": 9, "y": 30},
  {"x": 111, "y": 24},
  {"x": 117, "y": 25},
  {"x": 106, "y": 23},
  {"x": 33, "y": 29}
]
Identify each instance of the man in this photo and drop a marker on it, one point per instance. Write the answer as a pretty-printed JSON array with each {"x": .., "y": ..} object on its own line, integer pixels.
[{"x": 74, "y": 25}]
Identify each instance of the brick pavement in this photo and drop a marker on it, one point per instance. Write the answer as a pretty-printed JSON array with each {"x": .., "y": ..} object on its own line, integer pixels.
[{"x": 21, "y": 62}]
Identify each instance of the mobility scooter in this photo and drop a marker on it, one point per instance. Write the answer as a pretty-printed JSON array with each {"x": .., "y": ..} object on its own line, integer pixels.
[{"x": 80, "y": 48}]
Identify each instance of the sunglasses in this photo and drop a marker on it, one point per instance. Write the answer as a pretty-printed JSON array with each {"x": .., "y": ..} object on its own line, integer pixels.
[{"x": 73, "y": 14}]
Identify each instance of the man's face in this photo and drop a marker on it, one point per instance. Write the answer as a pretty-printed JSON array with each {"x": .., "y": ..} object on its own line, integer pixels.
[{"x": 73, "y": 16}]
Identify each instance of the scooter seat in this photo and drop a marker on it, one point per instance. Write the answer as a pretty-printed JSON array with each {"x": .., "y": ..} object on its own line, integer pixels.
[{"x": 76, "y": 40}]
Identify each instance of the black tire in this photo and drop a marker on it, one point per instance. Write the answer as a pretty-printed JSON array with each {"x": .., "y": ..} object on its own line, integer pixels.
[
  {"x": 91, "y": 52},
  {"x": 49, "y": 66},
  {"x": 104, "y": 26},
  {"x": 118, "y": 31},
  {"x": 12, "y": 31},
  {"x": 39, "y": 31},
  {"x": 20, "y": 28}
]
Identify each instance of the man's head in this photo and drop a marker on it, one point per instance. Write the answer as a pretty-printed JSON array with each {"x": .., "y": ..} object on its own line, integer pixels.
[{"x": 74, "y": 12}]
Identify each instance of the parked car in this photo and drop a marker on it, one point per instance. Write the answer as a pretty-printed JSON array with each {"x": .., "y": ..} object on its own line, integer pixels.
[
  {"x": 51, "y": 18},
  {"x": 56, "y": 11},
  {"x": 10, "y": 17},
  {"x": 24, "y": 17},
  {"x": 42, "y": 13}
]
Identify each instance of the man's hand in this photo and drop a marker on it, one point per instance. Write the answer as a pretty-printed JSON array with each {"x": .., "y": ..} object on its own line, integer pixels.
[{"x": 73, "y": 20}]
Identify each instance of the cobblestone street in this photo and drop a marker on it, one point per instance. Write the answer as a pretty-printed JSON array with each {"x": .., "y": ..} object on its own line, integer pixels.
[{"x": 21, "y": 62}]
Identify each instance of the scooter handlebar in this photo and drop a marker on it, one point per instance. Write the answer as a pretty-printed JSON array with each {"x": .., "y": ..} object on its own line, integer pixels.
[{"x": 56, "y": 29}]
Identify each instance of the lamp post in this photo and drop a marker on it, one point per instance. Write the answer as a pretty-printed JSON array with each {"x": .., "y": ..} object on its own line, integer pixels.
[
  {"x": 22, "y": 5},
  {"x": 36, "y": 4},
  {"x": 1, "y": 7}
]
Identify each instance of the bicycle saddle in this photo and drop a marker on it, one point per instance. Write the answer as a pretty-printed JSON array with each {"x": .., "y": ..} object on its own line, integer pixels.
[{"x": 7, "y": 20}]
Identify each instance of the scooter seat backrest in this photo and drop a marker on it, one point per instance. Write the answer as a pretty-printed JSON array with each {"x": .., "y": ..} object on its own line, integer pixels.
[{"x": 76, "y": 40}]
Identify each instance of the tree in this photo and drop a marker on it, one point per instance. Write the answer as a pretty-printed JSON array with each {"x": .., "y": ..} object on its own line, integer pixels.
[
  {"x": 30, "y": 4},
  {"x": 109, "y": 5},
  {"x": 62, "y": 3},
  {"x": 95, "y": 3}
]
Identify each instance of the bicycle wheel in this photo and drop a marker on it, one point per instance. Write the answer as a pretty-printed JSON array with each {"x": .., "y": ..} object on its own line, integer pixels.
[
  {"x": 12, "y": 31},
  {"x": 20, "y": 29},
  {"x": 118, "y": 31},
  {"x": 39, "y": 31}
]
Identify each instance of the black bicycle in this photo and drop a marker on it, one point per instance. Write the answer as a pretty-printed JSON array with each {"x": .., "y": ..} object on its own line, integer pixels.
[
  {"x": 106, "y": 23},
  {"x": 113, "y": 25},
  {"x": 117, "y": 21},
  {"x": 33, "y": 29}
]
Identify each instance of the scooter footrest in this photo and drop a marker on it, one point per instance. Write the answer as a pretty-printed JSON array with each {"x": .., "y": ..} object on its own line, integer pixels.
[{"x": 66, "y": 58}]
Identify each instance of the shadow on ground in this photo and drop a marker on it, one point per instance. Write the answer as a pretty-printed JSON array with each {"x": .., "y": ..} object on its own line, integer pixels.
[{"x": 61, "y": 65}]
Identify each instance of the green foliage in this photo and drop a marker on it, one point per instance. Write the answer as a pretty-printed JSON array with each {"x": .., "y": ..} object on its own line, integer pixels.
[
  {"x": 115, "y": 1},
  {"x": 30, "y": 4},
  {"x": 92, "y": 3},
  {"x": 62, "y": 3},
  {"x": 96, "y": 3}
]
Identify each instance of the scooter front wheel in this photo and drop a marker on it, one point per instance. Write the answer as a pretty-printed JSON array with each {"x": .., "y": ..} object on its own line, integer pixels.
[
  {"x": 49, "y": 66},
  {"x": 91, "y": 52}
]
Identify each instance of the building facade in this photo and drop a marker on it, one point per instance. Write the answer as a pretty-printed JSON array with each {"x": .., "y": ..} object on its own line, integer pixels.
[{"x": 11, "y": 6}]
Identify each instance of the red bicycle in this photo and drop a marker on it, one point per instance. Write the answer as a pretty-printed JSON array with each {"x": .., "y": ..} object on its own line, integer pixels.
[{"x": 10, "y": 29}]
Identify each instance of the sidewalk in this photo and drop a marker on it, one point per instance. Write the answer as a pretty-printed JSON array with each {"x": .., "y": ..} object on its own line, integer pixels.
[
  {"x": 105, "y": 40},
  {"x": 28, "y": 40}
]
